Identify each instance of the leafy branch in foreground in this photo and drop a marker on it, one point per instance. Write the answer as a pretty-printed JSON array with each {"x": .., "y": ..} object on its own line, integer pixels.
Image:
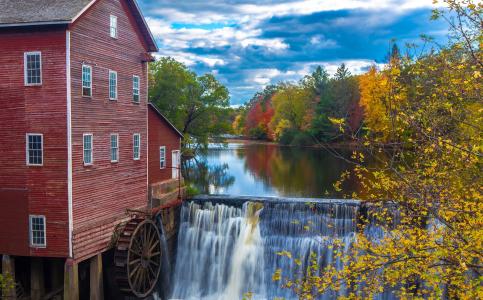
[
  {"x": 424, "y": 115},
  {"x": 6, "y": 283}
]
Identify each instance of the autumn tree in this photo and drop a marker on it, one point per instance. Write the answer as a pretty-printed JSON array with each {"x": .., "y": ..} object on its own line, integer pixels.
[
  {"x": 259, "y": 114},
  {"x": 291, "y": 104},
  {"x": 374, "y": 87},
  {"x": 258, "y": 117},
  {"x": 239, "y": 122},
  {"x": 426, "y": 197}
]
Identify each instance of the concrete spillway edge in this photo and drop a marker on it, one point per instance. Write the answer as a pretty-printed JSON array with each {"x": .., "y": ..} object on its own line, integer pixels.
[{"x": 239, "y": 200}]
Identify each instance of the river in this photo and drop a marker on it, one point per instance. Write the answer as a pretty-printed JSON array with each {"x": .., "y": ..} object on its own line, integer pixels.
[{"x": 270, "y": 170}]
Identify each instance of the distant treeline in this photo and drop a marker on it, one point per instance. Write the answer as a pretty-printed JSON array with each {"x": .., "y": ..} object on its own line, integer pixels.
[{"x": 319, "y": 108}]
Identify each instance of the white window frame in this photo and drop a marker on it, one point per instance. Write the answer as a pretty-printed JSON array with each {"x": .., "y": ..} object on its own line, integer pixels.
[
  {"x": 113, "y": 26},
  {"x": 27, "y": 148},
  {"x": 92, "y": 149},
  {"x": 136, "y": 91},
  {"x": 115, "y": 90},
  {"x": 138, "y": 157},
  {"x": 90, "y": 83},
  {"x": 162, "y": 159},
  {"x": 31, "y": 235},
  {"x": 111, "y": 148},
  {"x": 25, "y": 75}
]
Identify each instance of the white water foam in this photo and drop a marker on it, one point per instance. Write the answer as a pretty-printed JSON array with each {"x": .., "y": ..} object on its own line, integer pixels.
[{"x": 226, "y": 251}]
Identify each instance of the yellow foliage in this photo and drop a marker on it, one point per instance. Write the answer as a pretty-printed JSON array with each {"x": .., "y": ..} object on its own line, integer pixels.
[
  {"x": 426, "y": 195},
  {"x": 374, "y": 88},
  {"x": 381, "y": 95},
  {"x": 291, "y": 105}
]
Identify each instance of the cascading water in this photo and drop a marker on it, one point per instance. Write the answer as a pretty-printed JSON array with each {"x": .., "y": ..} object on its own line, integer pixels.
[
  {"x": 226, "y": 251},
  {"x": 164, "y": 278}
]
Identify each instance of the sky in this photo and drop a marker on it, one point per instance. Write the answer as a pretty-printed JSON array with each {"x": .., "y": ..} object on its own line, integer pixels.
[{"x": 248, "y": 44}]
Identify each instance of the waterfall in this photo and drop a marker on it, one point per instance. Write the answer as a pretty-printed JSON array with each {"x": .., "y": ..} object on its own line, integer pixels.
[
  {"x": 164, "y": 285},
  {"x": 226, "y": 251}
]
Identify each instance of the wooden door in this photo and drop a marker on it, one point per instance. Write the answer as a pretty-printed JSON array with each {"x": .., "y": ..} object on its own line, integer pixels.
[{"x": 175, "y": 163}]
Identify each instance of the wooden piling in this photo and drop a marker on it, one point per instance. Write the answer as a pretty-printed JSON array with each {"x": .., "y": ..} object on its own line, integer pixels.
[
  {"x": 37, "y": 287},
  {"x": 71, "y": 280},
  {"x": 96, "y": 285}
]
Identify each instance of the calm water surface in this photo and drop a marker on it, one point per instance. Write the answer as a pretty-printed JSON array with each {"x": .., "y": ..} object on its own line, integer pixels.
[{"x": 270, "y": 170}]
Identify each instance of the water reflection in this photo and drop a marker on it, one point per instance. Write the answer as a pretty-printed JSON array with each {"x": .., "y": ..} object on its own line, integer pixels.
[
  {"x": 208, "y": 178},
  {"x": 270, "y": 170}
]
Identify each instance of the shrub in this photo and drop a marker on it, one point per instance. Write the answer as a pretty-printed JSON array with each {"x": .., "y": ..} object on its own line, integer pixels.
[
  {"x": 287, "y": 136},
  {"x": 258, "y": 133},
  {"x": 191, "y": 191},
  {"x": 301, "y": 139}
]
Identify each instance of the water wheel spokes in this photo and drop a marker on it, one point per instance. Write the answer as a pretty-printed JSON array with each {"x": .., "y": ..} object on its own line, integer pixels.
[{"x": 138, "y": 257}]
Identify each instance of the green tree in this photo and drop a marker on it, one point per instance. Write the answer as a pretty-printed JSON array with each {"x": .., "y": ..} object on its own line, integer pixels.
[
  {"x": 342, "y": 72},
  {"x": 317, "y": 82},
  {"x": 197, "y": 105},
  {"x": 337, "y": 99}
]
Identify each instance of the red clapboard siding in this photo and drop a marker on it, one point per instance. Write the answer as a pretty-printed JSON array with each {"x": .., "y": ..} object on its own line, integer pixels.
[
  {"x": 105, "y": 190},
  {"x": 160, "y": 134},
  {"x": 33, "y": 109},
  {"x": 13, "y": 222}
]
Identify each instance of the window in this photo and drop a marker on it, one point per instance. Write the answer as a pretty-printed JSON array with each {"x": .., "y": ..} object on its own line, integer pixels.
[
  {"x": 113, "y": 26},
  {"x": 32, "y": 68},
  {"x": 136, "y": 145},
  {"x": 114, "y": 147},
  {"x": 86, "y": 81},
  {"x": 87, "y": 145},
  {"x": 112, "y": 85},
  {"x": 135, "y": 88},
  {"x": 37, "y": 231},
  {"x": 162, "y": 157},
  {"x": 35, "y": 147}
]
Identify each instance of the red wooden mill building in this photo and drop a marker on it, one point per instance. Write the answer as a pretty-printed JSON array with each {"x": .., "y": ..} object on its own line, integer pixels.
[{"x": 77, "y": 182}]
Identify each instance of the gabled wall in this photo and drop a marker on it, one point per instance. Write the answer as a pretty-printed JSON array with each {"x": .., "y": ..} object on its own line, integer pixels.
[
  {"x": 160, "y": 134},
  {"x": 102, "y": 192},
  {"x": 38, "y": 190}
]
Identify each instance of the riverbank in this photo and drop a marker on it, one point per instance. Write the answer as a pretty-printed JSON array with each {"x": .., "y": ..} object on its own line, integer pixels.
[{"x": 335, "y": 145}]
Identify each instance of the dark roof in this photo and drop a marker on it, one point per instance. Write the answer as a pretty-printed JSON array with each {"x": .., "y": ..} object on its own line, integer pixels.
[
  {"x": 14, "y": 13},
  {"x": 158, "y": 112},
  {"x": 40, "y": 11}
]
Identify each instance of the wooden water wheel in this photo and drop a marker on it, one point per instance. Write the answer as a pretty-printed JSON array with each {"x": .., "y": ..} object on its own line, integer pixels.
[{"x": 137, "y": 257}]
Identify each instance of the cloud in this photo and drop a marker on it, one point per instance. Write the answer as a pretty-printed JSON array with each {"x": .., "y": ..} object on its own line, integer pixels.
[
  {"x": 262, "y": 76},
  {"x": 249, "y": 44},
  {"x": 191, "y": 59},
  {"x": 321, "y": 42},
  {"x": 183, "y": 38},
  {"x": 313, "y": 6}
]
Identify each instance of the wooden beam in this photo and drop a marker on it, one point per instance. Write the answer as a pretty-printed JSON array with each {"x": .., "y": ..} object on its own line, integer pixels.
[
  {"x": 37, "y": 287},
  {"x": 96, "y": 278},
  {"x": 71, "y": 280}
]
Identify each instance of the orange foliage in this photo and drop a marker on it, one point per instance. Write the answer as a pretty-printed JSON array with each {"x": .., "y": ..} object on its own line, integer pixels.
[{"x": 259, "y": 115}]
